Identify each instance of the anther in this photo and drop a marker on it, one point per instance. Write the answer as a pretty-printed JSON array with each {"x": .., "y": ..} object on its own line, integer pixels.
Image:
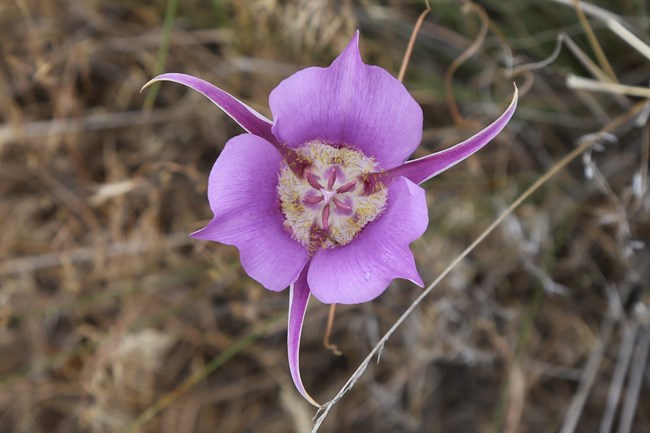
[
  {"x": 347, "y": 187},
  {"x": 326, "y": 217},
  {"x": 342, "y": 206},
  {"x": 312, "y": 199},
  {"x": 313, "y": 181},
  {"x": 331, "y": 179}
]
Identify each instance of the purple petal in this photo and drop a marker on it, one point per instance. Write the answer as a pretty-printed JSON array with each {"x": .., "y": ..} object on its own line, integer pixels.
[
  {"x": 298, "y": 299},
  {"x": 242, "y": 191},
  {"x": 422, "y": 169},
  {"x": 245, "y": 116},
  {"x": 348, "y": 103},
  {"x": 361, "y": 271}
]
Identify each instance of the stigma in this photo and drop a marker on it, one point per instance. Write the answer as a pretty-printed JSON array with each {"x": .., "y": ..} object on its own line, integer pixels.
[{"x": 328, "y": 203}]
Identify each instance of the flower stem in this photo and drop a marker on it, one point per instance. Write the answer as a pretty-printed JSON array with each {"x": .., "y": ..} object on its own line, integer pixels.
[{"x": 328, "y": 332}]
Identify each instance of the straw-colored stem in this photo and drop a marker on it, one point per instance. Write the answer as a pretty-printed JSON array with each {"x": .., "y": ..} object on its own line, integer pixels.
[
  {"x": 593, "y": 41},
  {"x": 409, "y": 48},
  {"x": 467, "y": 54}
]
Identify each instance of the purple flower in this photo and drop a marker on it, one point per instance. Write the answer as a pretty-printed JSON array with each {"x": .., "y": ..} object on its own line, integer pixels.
[{"x": 321, "y": 199}]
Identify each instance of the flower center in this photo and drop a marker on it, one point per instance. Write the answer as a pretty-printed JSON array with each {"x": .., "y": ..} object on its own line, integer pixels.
[{"x": 328, "y": 203}]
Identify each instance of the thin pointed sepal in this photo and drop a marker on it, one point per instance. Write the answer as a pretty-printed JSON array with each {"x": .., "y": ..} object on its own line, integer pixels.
[
  {"x": 249, "y": 119},
  {"x": 298, "y": 299},
  {"x": 422, "y": 169}
]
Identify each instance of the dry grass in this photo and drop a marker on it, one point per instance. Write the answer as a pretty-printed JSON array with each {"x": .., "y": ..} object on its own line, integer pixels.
[{"x": 113, "y": 320}]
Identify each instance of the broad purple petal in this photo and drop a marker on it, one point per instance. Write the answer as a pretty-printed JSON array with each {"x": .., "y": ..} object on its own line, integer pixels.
[
  {"x": 348, "y": 103},
  {"x": 422, "y": 169},
  {"x": 361, "y": 271},
  {"x": 242, "y": 191},
  {"x": 245, "y": 116},
  {"x": 298, "y": 299}
]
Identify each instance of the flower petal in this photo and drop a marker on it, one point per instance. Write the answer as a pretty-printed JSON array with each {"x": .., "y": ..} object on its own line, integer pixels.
[
  {"x": 361, "y": 271},
  {"x": 298, "y": 299},
  {"x": 242, "y": 191},
  {"x": 245, "y": 116},
  {"x": 422, "y": 169},
  {"x": 348, "y": 103}
]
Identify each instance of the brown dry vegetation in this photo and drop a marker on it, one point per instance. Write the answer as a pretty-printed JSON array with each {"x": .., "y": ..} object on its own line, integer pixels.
[{"x": 113, "y": 320}]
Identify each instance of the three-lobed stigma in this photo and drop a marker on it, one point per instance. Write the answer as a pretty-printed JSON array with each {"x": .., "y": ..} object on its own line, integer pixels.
[{"x": 328, "y": 203}]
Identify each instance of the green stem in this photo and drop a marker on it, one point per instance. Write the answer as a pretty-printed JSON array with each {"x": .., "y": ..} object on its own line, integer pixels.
[{"x": 163, "y": 51}]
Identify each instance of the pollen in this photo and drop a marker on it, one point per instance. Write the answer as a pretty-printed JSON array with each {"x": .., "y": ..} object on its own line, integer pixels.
[{"x": 327, "y": 205}]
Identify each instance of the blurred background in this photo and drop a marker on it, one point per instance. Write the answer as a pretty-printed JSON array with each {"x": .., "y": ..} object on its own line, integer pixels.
[{"x": 113, "y": 320}]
